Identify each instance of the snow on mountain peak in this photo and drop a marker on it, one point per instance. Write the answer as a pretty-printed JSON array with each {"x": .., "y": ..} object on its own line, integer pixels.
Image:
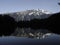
[
  {"x": 39, "y": 12},
  {"x": 31, "y": 14}
]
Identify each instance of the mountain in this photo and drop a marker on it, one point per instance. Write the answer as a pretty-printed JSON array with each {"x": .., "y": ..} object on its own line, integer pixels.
[
  {"x": 8, "y": 21},
  {"x": 30, "y": 14}
]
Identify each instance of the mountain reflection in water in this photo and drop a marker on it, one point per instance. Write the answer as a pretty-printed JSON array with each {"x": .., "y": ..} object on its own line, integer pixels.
[{"x": 31, "y": 33}]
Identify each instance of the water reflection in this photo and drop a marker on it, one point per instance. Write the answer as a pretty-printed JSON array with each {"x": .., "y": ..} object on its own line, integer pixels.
[{"x": 31, "y": 33}]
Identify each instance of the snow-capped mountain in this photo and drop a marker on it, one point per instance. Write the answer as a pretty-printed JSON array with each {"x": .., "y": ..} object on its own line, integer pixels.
[
  {"x": 39, "y": 12},
  {"x": 30, "y": 14}
]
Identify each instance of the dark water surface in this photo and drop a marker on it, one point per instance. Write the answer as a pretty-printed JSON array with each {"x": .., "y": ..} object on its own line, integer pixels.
[
  {"x": 21, "y": 37},
  {"x": 51, "y": 40},
  {"x": 32, "y": 33}
]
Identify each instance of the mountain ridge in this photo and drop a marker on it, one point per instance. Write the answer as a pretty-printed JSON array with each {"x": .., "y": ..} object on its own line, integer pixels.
[{"x": 30, "y": 14}]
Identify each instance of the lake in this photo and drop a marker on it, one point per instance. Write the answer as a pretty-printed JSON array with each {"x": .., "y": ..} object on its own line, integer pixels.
[
  {"x": 51, "y": 40},
  {"x": 28, "y": 36}
]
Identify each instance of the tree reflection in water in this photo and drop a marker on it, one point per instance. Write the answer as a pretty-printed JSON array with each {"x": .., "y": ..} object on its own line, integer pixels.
[{"x": 31, "y": 33}]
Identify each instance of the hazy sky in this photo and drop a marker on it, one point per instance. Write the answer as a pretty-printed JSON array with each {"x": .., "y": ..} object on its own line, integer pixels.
[{"x": 20, "y": 5}]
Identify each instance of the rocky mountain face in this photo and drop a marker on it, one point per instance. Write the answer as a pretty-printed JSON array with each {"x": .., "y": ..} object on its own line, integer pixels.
[{"x": 30, "y": 14}]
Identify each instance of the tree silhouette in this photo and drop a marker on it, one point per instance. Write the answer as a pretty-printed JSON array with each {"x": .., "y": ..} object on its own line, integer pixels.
[{"x": 7, "y": 25}]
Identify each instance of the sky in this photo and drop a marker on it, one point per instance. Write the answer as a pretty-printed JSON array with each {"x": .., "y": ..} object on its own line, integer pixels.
[{"x": 7, "y": 6}]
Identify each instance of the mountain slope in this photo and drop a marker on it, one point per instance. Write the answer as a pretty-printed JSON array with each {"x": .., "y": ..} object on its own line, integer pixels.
[{"x": 30, "y": 14}]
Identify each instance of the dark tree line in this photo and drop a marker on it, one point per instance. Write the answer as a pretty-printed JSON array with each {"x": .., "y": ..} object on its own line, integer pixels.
[
  {"x": 8, "y": 24},
  {"x": 52, "y": 23}
]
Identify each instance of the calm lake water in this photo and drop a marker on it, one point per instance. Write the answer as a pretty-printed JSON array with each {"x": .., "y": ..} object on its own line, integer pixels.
[
  {"x": 31, "y": 33},
  {"x": 51, "y": 40},
  {"x": 28, "y": 36}
]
